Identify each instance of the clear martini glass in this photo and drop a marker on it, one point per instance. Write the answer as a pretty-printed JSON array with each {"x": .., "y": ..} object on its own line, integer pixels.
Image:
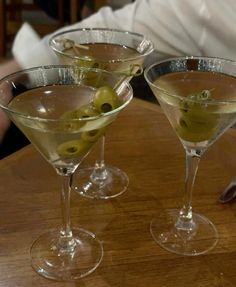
[
  {"x": 119, "y": 51},
  {"x": 198, "y": 96},
  {"x": 59, "y": 113}
]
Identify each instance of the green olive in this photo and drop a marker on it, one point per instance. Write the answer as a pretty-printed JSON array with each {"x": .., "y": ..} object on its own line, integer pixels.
[
  {"x": 86, "y": 111},
  {"x": 196, "y": 126},
  {"x": 82, "y": 112},
  {"x": 74, "y": 148},
  {"x": 193, "y": 136},
  {"x": 85, "y": 76},
  {"x": 93, "y": 135},
  {"x": 198, "y": 118},
  {"x": 88, "y": 76},
  {"x": 105, "y": 99},
  {"x": 85, "y": 62}
]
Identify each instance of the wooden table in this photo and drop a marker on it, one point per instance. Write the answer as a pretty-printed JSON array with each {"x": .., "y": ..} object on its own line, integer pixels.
[{"x": 142, "y": 143}]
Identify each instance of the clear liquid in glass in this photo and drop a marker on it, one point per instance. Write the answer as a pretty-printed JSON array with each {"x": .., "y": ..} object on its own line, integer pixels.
[
  {"x": 65, "y": 142},
  {"x": 195, "y": 112}
]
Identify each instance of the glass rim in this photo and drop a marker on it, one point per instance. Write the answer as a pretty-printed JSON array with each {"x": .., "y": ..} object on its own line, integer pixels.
[
  {"x": 55, "y": 35},
  {"x": 62, "y": 120},
  {"x": 210, "y": 102}
]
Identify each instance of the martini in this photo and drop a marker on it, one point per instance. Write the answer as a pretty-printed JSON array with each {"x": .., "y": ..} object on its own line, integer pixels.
[
  {"x": 198, "y": 96},
  {"x": 197, "y": 117},
  {"x": 63, "y": 118},
  {"x": 113, "y": 50},
  {"x": 66, "y": 143}
]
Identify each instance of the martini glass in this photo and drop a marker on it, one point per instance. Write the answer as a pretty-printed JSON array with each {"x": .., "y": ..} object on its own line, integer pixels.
[
  {"x": 113, "y": 50},
  {"x": 198, "y": 96},
  {"x": 59, "y": 113}
]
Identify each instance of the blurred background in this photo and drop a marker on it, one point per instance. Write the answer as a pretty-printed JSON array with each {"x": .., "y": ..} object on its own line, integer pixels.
[{"x": 45, "y": 16}]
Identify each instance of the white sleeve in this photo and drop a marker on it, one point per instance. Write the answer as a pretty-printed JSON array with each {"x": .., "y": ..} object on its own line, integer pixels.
[{"x": 189, "y": 27}]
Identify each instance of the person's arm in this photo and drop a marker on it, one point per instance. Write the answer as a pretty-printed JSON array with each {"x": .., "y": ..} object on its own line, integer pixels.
[
  {"x": 4, "y": 124},
  {"x": 9, "y": 67},
  {"x": 6, "y": 68}
]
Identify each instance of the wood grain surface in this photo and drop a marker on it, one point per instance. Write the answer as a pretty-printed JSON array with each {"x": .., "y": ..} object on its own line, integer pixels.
[{"x": 142, "y": 143}]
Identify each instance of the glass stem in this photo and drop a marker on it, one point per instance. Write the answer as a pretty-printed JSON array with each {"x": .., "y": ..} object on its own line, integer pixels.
[
  {"x": 185, "y": 220},
  {"x": 66, "y": 242},
  {"x": 99, "y": 173}
]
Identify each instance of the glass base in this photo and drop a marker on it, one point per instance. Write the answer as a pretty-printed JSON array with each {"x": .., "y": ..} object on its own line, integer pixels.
[
  {"x": 202, "y": 238},
  {"x": 114, "y": 184},
  {"x": 52, "y": 262}
]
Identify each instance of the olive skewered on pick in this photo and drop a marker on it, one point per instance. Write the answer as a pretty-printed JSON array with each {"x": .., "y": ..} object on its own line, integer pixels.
[{"x": 104, "y": 100}]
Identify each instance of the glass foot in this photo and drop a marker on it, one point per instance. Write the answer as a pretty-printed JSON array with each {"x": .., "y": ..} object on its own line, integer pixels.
[
  {"x": 113, "y": 184},
  {"x": 83, "y": 258},
  {"x": 197, "y": 241}
]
